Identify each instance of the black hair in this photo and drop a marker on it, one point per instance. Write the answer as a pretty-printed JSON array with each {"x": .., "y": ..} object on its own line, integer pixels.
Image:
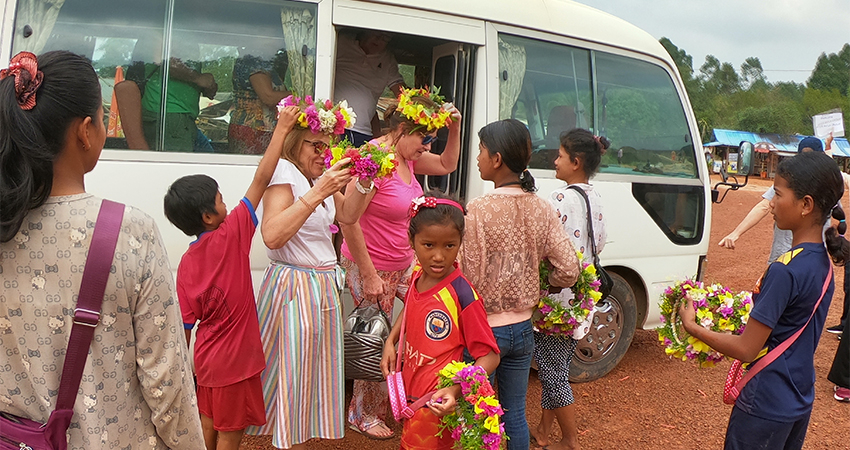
[
  {"x": 31, "y": 140},
  {"x": 187, "y": 200},
  {"x": 439, "y": 215},
  {"x": 815, "y": 174},
  {"x": 510, "y": 138},
  {"x": 582, "y": 144}
]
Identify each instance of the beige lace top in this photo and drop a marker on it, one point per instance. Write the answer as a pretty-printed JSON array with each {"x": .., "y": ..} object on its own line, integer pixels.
[{"x": 508, "y": 232}]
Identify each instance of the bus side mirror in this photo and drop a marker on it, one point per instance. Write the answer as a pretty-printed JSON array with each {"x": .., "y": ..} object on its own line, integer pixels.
[{"x": 745, "y": 165}]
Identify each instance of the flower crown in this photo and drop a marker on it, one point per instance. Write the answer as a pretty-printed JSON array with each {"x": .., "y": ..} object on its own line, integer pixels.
[
  {"x": 554, "y": 318},
  {"x": 322, "y": 116},
  {"x": 476, "y": 422},
  {"x": 370, "y": 161},
  {"x": 717, "y": 309},
  {"x": 423, "y": 117}
]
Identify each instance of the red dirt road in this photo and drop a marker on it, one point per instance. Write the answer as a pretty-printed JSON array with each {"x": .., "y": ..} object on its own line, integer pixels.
[{"x": 652, "y": 402}]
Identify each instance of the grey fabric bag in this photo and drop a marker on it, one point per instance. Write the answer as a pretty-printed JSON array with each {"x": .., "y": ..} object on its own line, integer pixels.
[{"x": 364, "y": 333}]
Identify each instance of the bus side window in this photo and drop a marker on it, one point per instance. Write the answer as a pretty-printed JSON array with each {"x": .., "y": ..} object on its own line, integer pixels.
[
  {"x": 542, "y": 80},
  {"x": 640, "y": 111}
]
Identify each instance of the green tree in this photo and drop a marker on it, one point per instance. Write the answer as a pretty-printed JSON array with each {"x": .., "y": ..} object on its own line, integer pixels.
[
  {"x": 752, "y": 74},
  {"x": 832, "y": 71}
]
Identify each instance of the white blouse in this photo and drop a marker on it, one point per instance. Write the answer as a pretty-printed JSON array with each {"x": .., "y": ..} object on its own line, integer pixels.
[
  {"x": 312, "y": 245},
  {"x": 572, "y": 213}
]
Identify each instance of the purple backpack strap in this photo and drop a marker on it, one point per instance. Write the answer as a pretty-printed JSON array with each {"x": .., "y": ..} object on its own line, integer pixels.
[{"x": 87, "y": 312}]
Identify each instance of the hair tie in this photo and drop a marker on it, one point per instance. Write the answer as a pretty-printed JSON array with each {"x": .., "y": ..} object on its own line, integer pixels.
[
  {"x": 24, "y": 67},
  {"x": 431, "y": 202},
  {"x": 841, "y": 221}
]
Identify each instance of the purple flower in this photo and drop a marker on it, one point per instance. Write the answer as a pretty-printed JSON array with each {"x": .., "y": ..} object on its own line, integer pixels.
[
  {"x": 456, "y": 433},
  {"x": 313, "y": 119},
  {"x": 663, "y": 320},
  {"x": 667, "y": 341},
  {"x": 366, "y": 168},
  {"x": 491, "y": 441},
  {"x": 339, "y": 128},
  {"x": 546, "y": 309}
]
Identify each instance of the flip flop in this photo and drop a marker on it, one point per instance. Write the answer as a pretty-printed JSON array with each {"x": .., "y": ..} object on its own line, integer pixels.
[{"x": 369, "y": 435}]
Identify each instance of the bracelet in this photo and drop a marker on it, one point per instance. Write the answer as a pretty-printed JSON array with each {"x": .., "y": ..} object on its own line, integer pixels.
[
  {"x": 362, "y": 190},
  {"x": 311, "y": 208}
]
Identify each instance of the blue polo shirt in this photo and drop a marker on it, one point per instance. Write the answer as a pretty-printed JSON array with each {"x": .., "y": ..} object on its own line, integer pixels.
[{"x": 784, "y": 298}]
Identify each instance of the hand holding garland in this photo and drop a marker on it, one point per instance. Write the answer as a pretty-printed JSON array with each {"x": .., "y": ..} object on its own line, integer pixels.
[{"x": 744, "y": 347}]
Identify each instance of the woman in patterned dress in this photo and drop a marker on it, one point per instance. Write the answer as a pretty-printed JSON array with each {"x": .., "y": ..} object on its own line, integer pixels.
[{"x": 137, "y": 389}]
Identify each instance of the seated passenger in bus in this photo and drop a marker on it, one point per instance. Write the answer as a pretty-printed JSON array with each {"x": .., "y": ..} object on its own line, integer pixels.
[{"x": 257, "y": 89}]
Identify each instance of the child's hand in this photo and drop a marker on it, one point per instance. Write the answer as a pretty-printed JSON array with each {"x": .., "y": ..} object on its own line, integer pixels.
[
  {"x": 687, "y": 313},
  {"x": 287, "y": 118},
  {"x": 388, "y": 358},
  {"x": 444, "y": 401}
]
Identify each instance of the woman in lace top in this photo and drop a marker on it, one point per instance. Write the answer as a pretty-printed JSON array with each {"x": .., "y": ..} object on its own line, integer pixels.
[{"x": 509, "y": 231}]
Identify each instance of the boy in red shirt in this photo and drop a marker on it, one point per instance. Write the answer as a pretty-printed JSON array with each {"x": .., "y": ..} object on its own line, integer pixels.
[{"x": 214, "y": 288}]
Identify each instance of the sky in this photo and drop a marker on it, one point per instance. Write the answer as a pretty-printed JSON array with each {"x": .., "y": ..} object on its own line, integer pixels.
[{"x": 786, "y": 35}]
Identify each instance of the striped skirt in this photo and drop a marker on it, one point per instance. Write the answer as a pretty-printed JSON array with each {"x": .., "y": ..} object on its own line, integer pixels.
[{"x": 300, "y": 317}]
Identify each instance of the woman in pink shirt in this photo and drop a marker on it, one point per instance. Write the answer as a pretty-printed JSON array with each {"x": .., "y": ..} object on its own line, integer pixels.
[{"x": 376, "y": 253}]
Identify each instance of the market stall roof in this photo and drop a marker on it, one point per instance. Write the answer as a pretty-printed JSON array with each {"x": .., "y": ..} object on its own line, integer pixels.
[{"x": 784, "y": 144}]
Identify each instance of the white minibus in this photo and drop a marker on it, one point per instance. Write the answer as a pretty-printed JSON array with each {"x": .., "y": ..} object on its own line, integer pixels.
[{"x": 551, "y": 64}]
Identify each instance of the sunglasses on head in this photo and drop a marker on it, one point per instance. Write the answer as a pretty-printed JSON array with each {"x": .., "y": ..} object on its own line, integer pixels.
[
  {"x": 319, "y": 146},
  {"x": 428, "y": 138}
]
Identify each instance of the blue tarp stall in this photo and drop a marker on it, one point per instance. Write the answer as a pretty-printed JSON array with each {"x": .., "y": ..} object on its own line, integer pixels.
[{"x": 780, "y": 146}]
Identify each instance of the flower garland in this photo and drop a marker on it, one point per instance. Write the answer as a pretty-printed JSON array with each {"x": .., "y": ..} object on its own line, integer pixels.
[
  {"x": 475, "y": 423},
  {"x": 322, "y": 116},
  {"x": 717, "y": 309},
  {"x": 429, "y": 118},
  {"x": 553, "y": 317},
  {"x": 370, "y": 161}
]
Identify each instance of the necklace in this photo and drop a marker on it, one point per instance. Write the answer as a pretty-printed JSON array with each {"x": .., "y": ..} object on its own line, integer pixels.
[{"x": 509, "y": 183}]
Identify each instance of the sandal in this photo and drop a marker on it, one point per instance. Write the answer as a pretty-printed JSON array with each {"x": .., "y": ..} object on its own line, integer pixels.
[{"x": 371, "y": 435}]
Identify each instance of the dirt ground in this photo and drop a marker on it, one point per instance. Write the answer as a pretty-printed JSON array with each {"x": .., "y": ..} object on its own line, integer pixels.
[{"x": 650, "y": 401}]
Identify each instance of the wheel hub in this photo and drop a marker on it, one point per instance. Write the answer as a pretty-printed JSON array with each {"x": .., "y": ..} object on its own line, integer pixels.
[{"x": 605, "y": 330}]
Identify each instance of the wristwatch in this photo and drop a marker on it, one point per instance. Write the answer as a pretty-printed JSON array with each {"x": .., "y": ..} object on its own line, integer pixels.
[{"x": 364, "y": 190}]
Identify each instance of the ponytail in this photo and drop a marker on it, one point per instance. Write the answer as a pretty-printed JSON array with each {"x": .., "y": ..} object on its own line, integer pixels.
[
  {"x": 526, "y": 181},
  {"x": 836, "y": 244}
]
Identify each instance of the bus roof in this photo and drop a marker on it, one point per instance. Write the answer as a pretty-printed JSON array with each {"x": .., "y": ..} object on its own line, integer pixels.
[{"x": 561, "y": 17}]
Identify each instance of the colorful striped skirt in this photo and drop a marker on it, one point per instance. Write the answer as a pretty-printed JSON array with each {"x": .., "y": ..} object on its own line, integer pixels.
[{"x": 300, "y": 315}]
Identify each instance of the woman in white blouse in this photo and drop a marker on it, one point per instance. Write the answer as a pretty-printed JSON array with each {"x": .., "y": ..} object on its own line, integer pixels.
[
  {"x": 299, "y": 304},
  {"x": 578, "y": 160}
]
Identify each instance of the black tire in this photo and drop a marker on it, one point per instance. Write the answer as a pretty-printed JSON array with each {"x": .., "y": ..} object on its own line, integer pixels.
[{"x": 610, "y": 336}]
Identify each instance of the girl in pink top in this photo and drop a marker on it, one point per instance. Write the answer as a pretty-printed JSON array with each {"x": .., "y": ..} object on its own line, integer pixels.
[{"x": 376, "y": 253}]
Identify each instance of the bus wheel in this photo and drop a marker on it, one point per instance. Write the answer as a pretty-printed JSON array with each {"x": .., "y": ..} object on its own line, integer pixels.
[{"x": 610, "y": 335}]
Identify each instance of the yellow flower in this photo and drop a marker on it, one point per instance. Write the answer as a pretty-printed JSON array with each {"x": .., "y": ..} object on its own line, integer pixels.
[
  {"x": 492, "y": 424},
  {"x": 698, "y": 345},
  {"x": 452, "y": 368},
  {"x": 595, "y": 295},
  {"x": 302, "y": 120}
]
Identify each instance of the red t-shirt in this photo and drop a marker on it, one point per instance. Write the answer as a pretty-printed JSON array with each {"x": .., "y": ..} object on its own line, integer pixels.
[
  {"x": 214, "y": 287},
  {"x": 441, "y": 322}
]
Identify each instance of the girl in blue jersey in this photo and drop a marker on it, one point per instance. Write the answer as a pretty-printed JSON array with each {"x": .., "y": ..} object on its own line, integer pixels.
[{"x": 773, "y": 409}]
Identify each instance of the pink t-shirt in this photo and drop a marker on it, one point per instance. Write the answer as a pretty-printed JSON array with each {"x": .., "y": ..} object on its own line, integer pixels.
[
  {"x": 214, "y": 287},
  {"x": 385, "y": 223}
]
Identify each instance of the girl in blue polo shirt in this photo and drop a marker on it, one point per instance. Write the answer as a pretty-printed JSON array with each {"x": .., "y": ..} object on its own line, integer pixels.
[{"x": 773, "y": 409}]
